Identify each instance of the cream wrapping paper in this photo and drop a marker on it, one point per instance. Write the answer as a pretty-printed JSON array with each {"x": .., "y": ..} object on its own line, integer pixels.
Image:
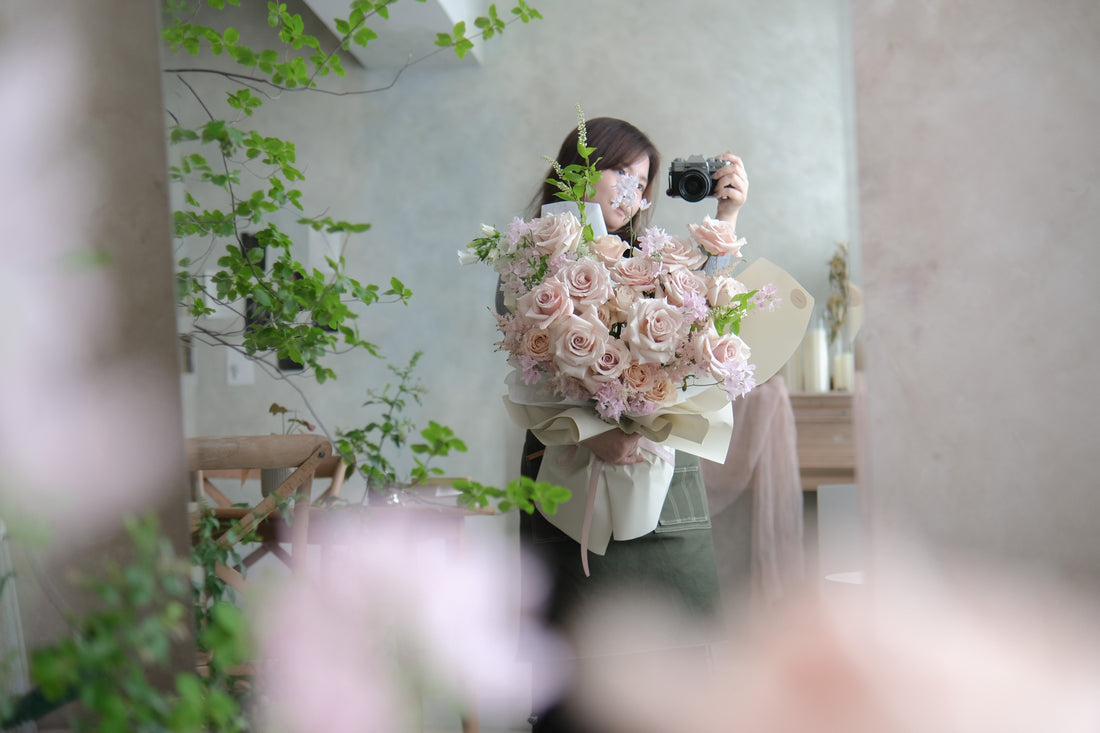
[
  {"x": 629, "y": 497},
  {"x": 773, "y": 336}
]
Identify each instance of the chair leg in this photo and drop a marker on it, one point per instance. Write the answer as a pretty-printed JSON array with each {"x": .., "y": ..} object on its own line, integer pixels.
[
  {"x": 299, "y": 531},
  {"x": 230, "y": 576}
]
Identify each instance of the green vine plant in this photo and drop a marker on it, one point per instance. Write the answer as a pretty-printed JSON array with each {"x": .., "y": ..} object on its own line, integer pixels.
[
  {"x": 390, "y": 433},
  {"x": 106, "y": 662},
  {"x": 237, "y": 260}
]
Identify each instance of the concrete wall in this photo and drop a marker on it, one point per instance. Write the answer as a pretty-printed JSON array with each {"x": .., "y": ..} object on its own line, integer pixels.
[
  {"x": 91, "y": 422},
  {"x": 978, "y": 163}
]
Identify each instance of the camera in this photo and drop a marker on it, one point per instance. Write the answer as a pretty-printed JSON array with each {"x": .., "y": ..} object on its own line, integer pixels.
[{"x": 690, "y": 178}]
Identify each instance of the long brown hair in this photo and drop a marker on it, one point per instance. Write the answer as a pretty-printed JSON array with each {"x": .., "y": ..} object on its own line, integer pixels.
[{"x": 618, "y": 143}]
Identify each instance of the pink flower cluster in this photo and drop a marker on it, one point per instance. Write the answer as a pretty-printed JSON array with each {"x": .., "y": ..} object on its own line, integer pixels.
[{"x": 596, "y": 320}]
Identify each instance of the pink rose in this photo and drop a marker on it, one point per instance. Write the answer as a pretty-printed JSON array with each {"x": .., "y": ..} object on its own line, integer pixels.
[
  {"x": 653, "y": 330},
  {"x": 639, "y": 377},
  {"x": 681, "y": 251},
  {"x": 714, "y": 352},
  {"x": 616, "y": 308},
  {"x": 536, "y": 344},
  {"x": 637, "y": 272},
  {"x": 717, "y": 237},
  {"x": 556, "y": 234},
  {"x": 722, "y": 288},
  {"x": 609, "y": 248},
  {"x": 680, "y": 281},
  {"x": 608, "y": 366},
  {"x": 662, "y": 392},
  {"x": 578, "y": 340},
  {"x": 547, "y": 303},
  {"x": 588, "y": 281}
]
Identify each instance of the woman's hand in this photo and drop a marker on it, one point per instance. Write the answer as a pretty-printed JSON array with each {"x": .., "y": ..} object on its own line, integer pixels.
[
  {"x": 615, "y": 446},
  {"x": 731, "y": 187}
]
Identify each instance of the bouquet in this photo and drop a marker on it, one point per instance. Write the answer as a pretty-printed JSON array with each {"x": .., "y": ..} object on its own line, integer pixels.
[
  {"x": 625, "y": 331},
  {"x": 603, "y": 334}
]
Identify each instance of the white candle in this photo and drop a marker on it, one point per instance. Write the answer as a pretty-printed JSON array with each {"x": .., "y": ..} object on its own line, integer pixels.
[
  {"x": 815, "y": 360},
  {"x": 844, "y": 369}
]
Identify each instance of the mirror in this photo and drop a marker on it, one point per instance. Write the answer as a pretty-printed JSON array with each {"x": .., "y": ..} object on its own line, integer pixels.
[
  {"x": 449, "y": 147},
  {"x": 452, "y": 145}
]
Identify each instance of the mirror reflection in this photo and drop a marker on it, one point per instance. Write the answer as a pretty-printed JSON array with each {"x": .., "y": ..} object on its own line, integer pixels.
[{"x": 426, "y": 153}]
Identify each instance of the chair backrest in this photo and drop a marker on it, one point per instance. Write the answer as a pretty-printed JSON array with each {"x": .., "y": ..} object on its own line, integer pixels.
[
  {"x": 303, "y": 453},
  {"x": 252, "y": 451},
  {"x": 243, "y": 458}
]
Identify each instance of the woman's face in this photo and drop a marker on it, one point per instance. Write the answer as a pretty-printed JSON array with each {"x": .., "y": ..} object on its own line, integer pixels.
[{"x": 619, "y": 192}]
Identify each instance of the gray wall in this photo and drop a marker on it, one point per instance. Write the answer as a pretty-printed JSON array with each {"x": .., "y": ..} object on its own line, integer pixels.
[
  {"x": 978, "y": 170},
  {"x": 91, "y": 424},
  {"x": 447, "y": 149}
]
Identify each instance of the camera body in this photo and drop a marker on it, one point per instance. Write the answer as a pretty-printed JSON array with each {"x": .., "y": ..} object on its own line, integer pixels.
[{"x": 690, "y": 178}]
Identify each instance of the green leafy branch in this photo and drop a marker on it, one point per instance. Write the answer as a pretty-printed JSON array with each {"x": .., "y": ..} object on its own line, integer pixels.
[
  {"x": 294, "y": 73},
  {"x": 367, "y": 449},
  {"x": 576, "y": 182},
  {"x": 490, "y": 26},
  {"x": 106, "y": 661},
  {"x": 727, "y": 318},
  {"x": 523, "y": 493},
  {"x": 302, "y": 320},
  {"x": 289, "y": 311},
  {"x": 290, "y": 71}
]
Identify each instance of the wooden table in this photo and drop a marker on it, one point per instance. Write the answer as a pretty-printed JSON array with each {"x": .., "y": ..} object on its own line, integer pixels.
[{"x": 826, "y": 440}]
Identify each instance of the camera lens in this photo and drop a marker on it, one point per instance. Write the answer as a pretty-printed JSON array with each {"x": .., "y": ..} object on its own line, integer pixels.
[{"x": 694, "y": 185}]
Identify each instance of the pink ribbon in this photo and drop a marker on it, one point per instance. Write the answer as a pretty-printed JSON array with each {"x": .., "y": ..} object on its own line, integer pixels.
[{"x": 594, "y": 481}]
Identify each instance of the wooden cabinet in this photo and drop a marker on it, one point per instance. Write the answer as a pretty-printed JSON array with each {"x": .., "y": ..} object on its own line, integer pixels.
[{"x": 826, "y": 440}]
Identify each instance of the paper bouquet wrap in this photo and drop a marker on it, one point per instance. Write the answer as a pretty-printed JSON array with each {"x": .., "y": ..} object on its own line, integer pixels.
[
  {"x": 623, "y": 502},
  {"x": 620, "y": 501}
]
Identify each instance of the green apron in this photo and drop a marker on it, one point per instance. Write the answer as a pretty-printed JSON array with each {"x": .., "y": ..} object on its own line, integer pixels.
[{"x": 674, "y": 563}]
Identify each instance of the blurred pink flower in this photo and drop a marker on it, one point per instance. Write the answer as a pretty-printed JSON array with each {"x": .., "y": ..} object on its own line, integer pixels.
[
  {"x": 918, "y": 656},
  {"x": 394, "y": 613},
  {"x": 88, "y": 431}
]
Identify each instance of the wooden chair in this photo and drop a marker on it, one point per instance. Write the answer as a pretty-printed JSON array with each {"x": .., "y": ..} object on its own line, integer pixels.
[
  {"x": 245, "y": 457},
  {"x": 310, "y": 456}
]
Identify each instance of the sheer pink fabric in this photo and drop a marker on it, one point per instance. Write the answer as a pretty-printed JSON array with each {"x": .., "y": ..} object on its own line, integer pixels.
[{"x": 763, "y": 457}]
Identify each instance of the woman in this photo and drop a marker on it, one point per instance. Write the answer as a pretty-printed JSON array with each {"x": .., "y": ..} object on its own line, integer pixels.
[{"x": 675, "y": 561}]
